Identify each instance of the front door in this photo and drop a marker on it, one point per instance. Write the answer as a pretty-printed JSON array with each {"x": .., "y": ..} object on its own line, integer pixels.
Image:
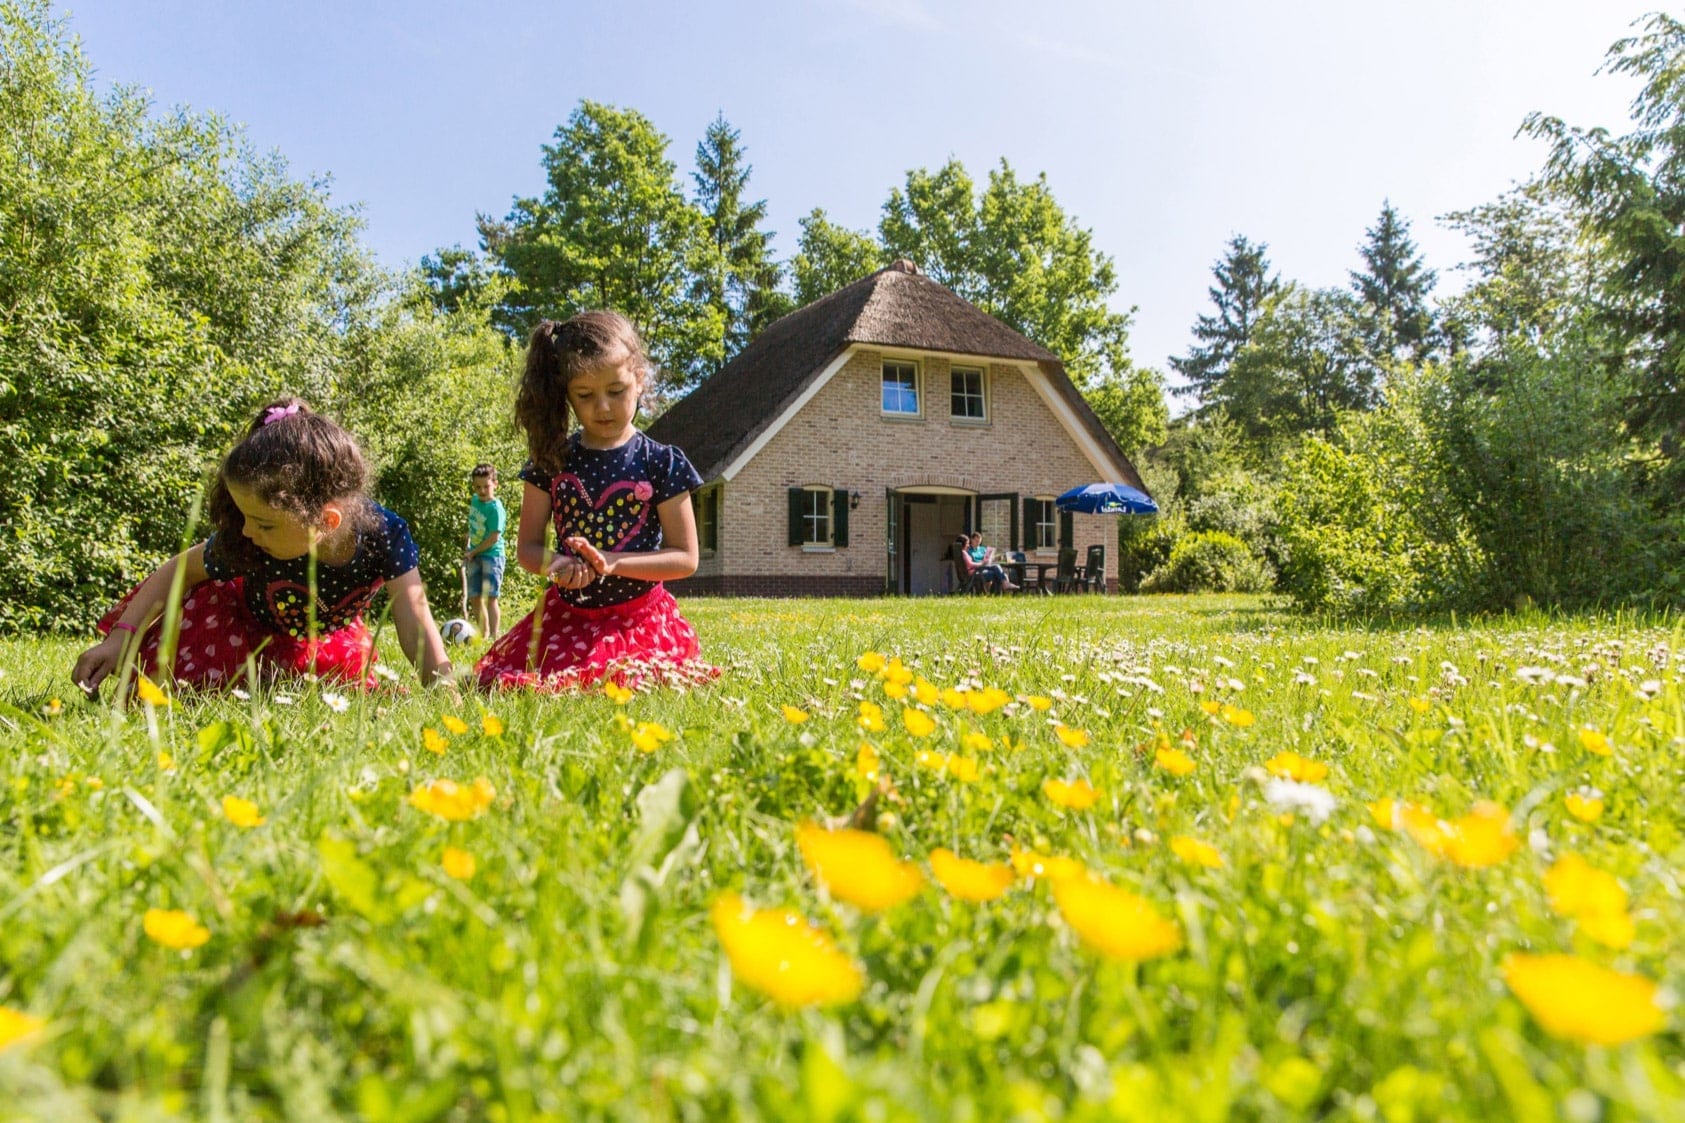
[{"x": 925, "y": 549}]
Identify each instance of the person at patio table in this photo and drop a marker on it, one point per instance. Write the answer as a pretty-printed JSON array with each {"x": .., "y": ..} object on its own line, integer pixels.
[{"x": 983, "y": 563}]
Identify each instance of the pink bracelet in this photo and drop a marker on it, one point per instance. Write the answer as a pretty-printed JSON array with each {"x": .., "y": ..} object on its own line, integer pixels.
[{"x": 130, "y": 628}]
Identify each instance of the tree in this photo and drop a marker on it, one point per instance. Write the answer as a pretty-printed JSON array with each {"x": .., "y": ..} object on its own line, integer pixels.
[
  {"x": 1305, "y": 365},
  {"x": 454, "y": 278},
  {"x": 1394, "y": 285},
  {"x": 741, "y": 278},
  {"x": 1016, "y": 254},
  {"x": 1632, "y": 191},
  {"x": 612, "y": 230},
  {"x": 1244, "y": 285},
  {"x": 829, "y": 256},
  {"x": 158, "y": 281}
]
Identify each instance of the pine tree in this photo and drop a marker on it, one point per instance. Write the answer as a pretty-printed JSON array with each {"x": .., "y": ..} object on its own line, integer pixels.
[
  {"x": 1394, "y": 287},
  {"x": 741, "y": 281},
  {"x": 1244, "y": 286}
]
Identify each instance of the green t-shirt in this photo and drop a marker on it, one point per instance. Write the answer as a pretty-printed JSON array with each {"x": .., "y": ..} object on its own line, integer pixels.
[{"x": 484, "y": 519}]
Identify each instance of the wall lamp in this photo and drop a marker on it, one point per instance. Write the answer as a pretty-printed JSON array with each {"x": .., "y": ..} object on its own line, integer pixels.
[{"x": 853, "y": 500}]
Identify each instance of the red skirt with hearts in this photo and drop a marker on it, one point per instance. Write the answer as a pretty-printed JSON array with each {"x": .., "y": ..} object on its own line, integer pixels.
[
  {"x": 641, "y": 642},
  {"x": 219, "y": 633}
]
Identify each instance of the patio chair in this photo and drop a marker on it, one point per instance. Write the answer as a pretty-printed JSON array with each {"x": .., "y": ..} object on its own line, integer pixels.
[
  {"x": 1094, "y": 570},
  {"x": 966, "y": 578},
  {"x": 1066, "y": 579}
]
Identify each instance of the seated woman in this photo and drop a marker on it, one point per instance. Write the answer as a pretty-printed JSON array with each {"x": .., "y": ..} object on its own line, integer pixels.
[{"x": 983, "y": 564}]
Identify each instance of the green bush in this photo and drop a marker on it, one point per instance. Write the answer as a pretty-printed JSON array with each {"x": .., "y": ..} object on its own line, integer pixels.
[
  {"x": 1209, "y": 561},
  {"x": 1144, "y": 545}
]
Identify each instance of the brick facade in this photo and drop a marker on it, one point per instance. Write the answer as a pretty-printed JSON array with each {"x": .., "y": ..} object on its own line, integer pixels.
[{"x": 841, "y": 439}]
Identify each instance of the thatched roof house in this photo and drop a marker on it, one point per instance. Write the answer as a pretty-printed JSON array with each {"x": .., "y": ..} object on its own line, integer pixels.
[{"x": 846, "y": 445}]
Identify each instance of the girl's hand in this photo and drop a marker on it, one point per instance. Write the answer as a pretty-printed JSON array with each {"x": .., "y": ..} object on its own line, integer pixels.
[
  {"x": 97, "y": 663},
  {"x": 592, "y": 556},
  {"x": 569, "y": 572}
]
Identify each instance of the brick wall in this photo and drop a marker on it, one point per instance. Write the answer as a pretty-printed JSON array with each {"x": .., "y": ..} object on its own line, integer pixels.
[{"x": 841, "y": 439}]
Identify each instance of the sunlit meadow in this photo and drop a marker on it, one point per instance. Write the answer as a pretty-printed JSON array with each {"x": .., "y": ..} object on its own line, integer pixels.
[{"x": 1067, "y": 858}]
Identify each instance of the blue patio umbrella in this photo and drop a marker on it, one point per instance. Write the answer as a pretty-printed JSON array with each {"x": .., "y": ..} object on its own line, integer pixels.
[{"x": 1107, "y": 499}]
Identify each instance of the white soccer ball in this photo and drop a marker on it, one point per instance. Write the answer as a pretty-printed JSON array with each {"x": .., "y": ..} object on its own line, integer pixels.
[{"x": 457, "y": 630}]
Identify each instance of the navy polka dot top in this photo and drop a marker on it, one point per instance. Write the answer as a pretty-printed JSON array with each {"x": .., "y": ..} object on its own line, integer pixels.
[
  {"x": 278, "y": 592},
  {"x": 608, "y": 497}
]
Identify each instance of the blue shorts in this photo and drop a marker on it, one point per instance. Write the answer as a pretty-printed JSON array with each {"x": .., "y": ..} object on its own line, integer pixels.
[{"x": 485, "y": 576}]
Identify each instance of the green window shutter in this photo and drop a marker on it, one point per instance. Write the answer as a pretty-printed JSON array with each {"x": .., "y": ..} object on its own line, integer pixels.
[
  {"x": 1029, "y": 524},
  {"x": 1066, "y": 531},
  {"x": 839, "y": 518},
  {"x": 798, "y": 532}
]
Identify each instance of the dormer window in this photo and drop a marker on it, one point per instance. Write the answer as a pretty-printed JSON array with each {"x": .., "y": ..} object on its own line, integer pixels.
[{"x": 901, "y": 388}]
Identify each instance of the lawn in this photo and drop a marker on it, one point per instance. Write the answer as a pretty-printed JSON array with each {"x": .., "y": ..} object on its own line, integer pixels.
[{"x": 1134, "y": 858}]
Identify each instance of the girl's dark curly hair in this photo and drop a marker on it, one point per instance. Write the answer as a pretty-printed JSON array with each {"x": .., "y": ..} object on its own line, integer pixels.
[
  {"x": 556, "y": 353},
  {"x": 294, "y": 459}
]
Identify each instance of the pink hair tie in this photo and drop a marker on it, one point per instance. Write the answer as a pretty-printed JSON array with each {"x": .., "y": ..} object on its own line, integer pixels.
[{"x": 275, "y": 413}]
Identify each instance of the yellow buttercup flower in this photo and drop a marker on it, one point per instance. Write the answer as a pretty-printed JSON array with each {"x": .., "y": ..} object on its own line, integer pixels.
[
  {"x": 963, "y": 768},
  {"x": 648, "y": 736},
  {"x": 1291, "y": 766},
  {"x": 1420, "y": 705},
  {"x": 871, "y": 662},
  {"x": 452, "y": 801},
  {"x": 491, "y": 725},
  {"x": 977, "y": 742},
  {"x": 866, "y": 761},
  {"x": 897, "y": 673},
  {"x": 917, "y": 722},
  {"x": 174, "y": 929},
  {"x": 1039, "y": 702},
  {"x": 1050, "y": 867},
  {"x": 1174, "y": 761},
  {"x": 457, "y": 863},
  {"x": 1483, "y": 837},
  {"x": 1592, "y": 897},
  {"x": 896, "y": 690},
  {"x": 1071, "y": 738},
  {"x": 1236, "y": 716},
  {"x": 1584, "y": 806},
  {"x": 793, "y": 715},
  {"x": 15, "y": 1026},
  {"x": 858, "y": 867},
  {"x": 148, "y": 691},
  {"x": 951, "y": 698},
  {"x": 969, "y": 880},
  {"x": 1114, "y": 922},
  {"x": 987, "y": 700},
  {"x": 871, "y": 717},
  {"x": 1595, "y": 741},
  {"x": 1580, "y": 1001},
  {"x": 453, "y": 723},
  {"x": 925, "y": 691},
  {"x": 434, "y": 741},
  {"x": 1078, "y": 795},
  {"x": 1196, "y": 853},
  {"x": 166, "y": 762},
  {"x": 778, "y": 953},
  {"x": 241, "y": 812},
  {"x": 1211, "y": 706},
  {"x": 617, "y": 694}
]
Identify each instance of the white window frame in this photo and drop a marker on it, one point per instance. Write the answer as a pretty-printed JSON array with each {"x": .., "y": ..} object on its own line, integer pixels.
[
  {"x": 918, "y": 389},
  {"x": 982, "y": 396},
  {"x": 810, "y": 520},
  {"x": 1032, "y": 532}
]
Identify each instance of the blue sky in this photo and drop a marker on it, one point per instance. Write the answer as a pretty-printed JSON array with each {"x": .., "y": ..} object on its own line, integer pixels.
[{"x": 1164, "y": 128}]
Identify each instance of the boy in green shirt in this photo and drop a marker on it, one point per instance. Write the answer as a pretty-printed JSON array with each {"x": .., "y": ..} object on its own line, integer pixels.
[{"x": 482, "y": 565}]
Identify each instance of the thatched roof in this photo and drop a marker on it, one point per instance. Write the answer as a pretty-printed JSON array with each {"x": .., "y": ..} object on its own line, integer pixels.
[{"x": 895, "y": 307}]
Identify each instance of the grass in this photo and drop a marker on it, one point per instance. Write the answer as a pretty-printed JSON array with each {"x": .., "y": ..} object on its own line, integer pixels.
[{"x": 1339, "y": 969}]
